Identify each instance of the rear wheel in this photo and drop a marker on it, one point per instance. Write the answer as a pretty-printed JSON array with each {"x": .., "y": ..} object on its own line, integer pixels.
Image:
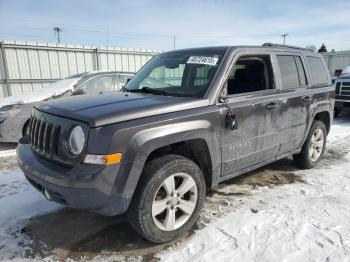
[
  {"x": 313, "y": 147},
  {"x": 168, "y": 199}
]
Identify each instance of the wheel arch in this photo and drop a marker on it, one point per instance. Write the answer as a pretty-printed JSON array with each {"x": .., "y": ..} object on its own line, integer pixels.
[
  {"x": 195, "y": 149},
  {"x": 195, "y": 140},
  {"x": 324, "y": 117}
]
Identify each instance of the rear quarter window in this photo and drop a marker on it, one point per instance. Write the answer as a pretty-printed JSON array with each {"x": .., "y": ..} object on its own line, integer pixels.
[
  {"x": 318, "y": 71},
  {"x": 289, "y": 71}
]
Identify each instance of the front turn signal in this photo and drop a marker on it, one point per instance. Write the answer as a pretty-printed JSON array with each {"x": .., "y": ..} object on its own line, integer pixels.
[{"x": 103, "y": 159}]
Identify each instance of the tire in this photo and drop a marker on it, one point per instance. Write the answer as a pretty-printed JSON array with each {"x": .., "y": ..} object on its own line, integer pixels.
[
  {"x": 336, "y": 111},
  {"x": 306, "y": 159},
  {"x": 155, "y": 187}
]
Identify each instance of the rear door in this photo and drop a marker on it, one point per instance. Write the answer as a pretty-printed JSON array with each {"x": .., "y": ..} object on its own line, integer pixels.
[
  {"x": 256, "y": 108},
  {"x": 295, "y": 100}
]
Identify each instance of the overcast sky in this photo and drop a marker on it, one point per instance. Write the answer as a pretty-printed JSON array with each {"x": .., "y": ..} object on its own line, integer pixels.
[{"x": 152, "y": 24}]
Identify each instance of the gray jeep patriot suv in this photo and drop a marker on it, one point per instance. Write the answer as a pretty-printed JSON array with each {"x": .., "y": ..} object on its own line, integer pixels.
[{"x": 188, "y": 120}]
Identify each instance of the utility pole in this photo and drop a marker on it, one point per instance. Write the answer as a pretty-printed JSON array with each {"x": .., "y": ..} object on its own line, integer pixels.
[
  {"x": 174, "y": 41},
  {"x": 284, "y": 38},
  {"x": 57, "y": 32}
]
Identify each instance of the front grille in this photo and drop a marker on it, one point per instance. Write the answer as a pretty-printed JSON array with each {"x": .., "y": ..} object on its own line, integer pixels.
[
  {"x": 337, "y": 88},
  {"x": 44, "y": 137},
  {"x": 344, "y": 88}
]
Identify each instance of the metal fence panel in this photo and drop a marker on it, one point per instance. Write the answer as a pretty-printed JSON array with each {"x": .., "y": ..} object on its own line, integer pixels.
[
  {"x": 55, "y": 65},
  {"x": 2, "y": 89},
  {"x": 337, "y": 60},
  {"x": 12, "y": 63},
  {"x": 29, "y": 66},
  {"x": 89, "y": 62},
  {"x": 2, "y": 72}
]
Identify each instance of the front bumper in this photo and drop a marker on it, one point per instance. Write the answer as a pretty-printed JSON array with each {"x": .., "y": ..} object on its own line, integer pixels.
[{"x": 85, "y": 186}]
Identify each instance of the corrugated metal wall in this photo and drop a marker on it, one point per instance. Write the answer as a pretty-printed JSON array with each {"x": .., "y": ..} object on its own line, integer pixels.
[
  {"x": 337, "y": 60},
  {"x": 28, "y": 66}
]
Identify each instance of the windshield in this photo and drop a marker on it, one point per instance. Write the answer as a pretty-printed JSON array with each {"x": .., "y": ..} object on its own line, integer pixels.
[{"x": 183, "y": 73}]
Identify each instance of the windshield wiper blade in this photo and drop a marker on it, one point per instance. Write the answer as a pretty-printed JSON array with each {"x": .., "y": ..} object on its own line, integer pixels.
[
  {"x": 124, "y": 89},
  {"x": 149, "y": 90}
]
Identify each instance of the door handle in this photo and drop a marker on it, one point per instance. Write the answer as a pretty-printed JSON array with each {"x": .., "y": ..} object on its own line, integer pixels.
[
  {"x": 307, "y": 100},
  {"x": 271, "y": 106}
]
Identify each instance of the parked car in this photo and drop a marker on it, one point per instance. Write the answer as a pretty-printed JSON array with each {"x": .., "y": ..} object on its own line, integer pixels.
[
  {"x": 342, "y": 91},
  {"x": 188, "y": 120},
  {"x": 15, "y": 111}
]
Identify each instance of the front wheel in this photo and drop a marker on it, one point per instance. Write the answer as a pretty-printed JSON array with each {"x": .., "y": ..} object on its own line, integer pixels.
[
  {"x": 168, "y": 198},
  {"x": 313, "y": 147}
]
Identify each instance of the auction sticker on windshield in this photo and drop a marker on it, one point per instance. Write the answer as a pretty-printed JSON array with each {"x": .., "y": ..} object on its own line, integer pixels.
[{"x": 203, "y": 60}]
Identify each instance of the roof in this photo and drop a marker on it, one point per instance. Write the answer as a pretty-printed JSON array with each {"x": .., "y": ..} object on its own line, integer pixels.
[
  {"x": 100, "y": 72},
  {"x": 264, "y": 46}
]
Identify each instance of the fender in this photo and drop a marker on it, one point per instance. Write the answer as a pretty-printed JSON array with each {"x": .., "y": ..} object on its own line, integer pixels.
[
  {"x": 316, "y": 108},
  {"x": 146, "y": 141}
]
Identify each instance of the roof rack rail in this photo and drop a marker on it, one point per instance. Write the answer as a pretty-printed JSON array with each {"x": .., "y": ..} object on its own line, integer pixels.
[{"x": 286, "y": 46}]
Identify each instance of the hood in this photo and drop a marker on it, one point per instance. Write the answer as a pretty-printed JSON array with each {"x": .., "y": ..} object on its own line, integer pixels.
[
  {"x": 344, "y": 76},
  {"x": 346, "y": 71},
  {"x": 54, "y": 89},
  {"x": 104, "y": 109}
]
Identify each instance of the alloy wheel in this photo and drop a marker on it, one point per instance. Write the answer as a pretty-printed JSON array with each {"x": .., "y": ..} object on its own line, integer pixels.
[
  {"x": 174, "y": 202},
  {"x": 316, "y": 145}
]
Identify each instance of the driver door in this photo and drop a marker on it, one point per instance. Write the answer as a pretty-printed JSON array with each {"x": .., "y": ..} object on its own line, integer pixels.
[{"x": 256, "y": 112}]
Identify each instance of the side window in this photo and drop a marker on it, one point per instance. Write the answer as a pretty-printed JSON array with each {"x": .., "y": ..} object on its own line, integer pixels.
[
  {"x": 289, "y": 71},
  {"x": 317, "y": 70},
  {"x": 251, "y": 74},
  {"x": 301, "y": 71},
  {"x": 100, "y": 84}
]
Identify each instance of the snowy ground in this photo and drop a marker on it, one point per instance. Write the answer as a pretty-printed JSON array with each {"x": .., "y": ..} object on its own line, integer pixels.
[{"x": 275, "y": 213}]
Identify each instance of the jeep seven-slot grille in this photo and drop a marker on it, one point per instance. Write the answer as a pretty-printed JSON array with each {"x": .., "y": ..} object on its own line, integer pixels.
[
  {"x": 343, "y": 88},
  {"x": 44, "y": 137}
]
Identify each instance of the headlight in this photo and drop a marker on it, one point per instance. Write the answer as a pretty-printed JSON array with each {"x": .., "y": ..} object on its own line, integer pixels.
[{"x": 76, "y": 140}]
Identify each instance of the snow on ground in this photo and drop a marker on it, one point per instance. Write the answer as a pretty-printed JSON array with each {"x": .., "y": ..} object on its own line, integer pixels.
[
  {"x": 278, "y": 213},
  {"x": 304, "y": 221},
  {"x": 18, "y": 202}
]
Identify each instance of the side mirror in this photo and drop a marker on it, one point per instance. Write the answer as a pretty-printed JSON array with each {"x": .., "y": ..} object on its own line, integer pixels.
[
  {"x": 223, "y": 99},
  {"x": 78, "y": 92}
]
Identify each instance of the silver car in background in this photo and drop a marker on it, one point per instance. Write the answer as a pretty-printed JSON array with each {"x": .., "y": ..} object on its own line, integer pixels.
[{"x": 15, "y": 111}]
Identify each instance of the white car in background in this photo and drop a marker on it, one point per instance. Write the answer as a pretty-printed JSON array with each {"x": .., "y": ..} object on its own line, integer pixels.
[{"x": 15, "y": 111}]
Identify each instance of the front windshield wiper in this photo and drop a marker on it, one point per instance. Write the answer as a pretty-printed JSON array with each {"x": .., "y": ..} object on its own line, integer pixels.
[
  {"x": 149, "y": 90},
  {"x": 124, "y": 89}
]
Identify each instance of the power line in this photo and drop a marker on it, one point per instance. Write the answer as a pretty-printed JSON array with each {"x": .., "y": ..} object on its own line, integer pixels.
[{"x": 111, "y": 33}]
